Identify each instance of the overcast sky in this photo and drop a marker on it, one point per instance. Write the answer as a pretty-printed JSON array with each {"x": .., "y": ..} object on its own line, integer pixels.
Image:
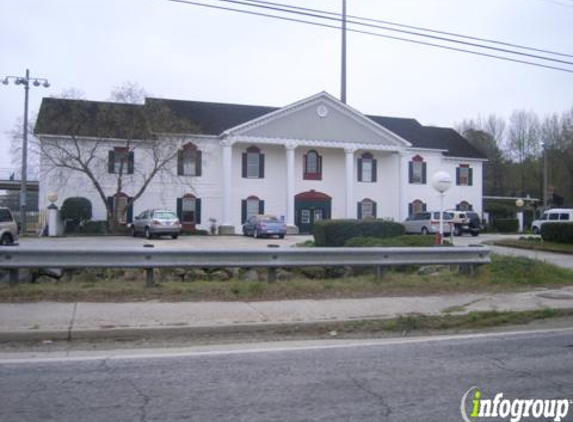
[{"x": 179, "y": 51}]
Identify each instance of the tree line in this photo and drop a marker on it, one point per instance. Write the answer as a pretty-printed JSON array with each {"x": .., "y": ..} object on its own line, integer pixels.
[{"x": 515, "y": 150}]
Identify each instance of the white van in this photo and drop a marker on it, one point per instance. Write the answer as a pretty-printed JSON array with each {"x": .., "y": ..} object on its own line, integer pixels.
[{"x": 555, "y": 215}]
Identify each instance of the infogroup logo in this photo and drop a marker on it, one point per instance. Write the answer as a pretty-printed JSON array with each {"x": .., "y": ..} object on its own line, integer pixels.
[{"x": 513, "y": 409}]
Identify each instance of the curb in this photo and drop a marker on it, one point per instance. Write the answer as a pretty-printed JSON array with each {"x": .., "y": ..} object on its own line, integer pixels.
[{"x": 133, "y": 333}]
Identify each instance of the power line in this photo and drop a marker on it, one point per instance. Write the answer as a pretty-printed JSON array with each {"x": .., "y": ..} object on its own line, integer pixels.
[
  {"x": 558, "y": 3},
  {"x": 417, "y": 34},
  {"x": 284, "y": 18},
  {"x": 326, "y": 12}
]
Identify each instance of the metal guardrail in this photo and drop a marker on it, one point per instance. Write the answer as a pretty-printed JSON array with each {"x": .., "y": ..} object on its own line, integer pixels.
[{"x": 14, "y": 258}]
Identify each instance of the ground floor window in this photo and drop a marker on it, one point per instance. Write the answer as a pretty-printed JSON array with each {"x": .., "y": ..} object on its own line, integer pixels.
[
  {"x": 121, "y": 211},
  {"x": 189, "y": 209},
  {"x": 416, "y": 206},
  {"x": 366, "y": 209},
  {"x": 251, "y": 206},
  {"x": 464, "y": 206}
]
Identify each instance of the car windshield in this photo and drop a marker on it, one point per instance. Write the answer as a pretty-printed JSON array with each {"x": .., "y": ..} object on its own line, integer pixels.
[
  {"x": 164, "y": 215},
  {"x": 447, "y": 216}
]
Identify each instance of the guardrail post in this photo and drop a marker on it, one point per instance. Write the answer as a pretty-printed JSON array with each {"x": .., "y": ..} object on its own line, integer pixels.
[
  {"x": 380, "y": 270},
  {"x": 149, "y": 280},
  {"x": 467, "y": 269},
  {"x": 14, "y": 276},
  {"x": 272, "y": 275}
]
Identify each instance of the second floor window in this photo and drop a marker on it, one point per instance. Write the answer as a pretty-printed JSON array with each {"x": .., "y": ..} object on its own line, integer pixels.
[
  {"x": 120, "y": 161},
  {"x": 367, "y": 168},
  {"x": 417, "y": 170},
  {"x": 464, "y": 175},
  {"x": 312, "y": 166},
  {"x": 189, "y": 161},
  {"x": 253, "y": 164}
]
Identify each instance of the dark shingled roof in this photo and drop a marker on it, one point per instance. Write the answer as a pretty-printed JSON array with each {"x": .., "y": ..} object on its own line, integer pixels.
[{"x": 92, "y": 118}]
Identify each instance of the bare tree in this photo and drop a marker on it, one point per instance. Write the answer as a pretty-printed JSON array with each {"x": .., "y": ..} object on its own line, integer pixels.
[
  {"x": 524, "y": 144},
  {"x": 85, "y": 149}
]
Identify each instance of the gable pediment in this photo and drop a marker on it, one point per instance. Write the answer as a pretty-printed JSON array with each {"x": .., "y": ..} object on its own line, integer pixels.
[{"x": 319, "y": 118}]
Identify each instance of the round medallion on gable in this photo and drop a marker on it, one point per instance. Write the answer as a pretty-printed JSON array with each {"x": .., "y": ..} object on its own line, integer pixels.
[{"x": 321, "y": 110}]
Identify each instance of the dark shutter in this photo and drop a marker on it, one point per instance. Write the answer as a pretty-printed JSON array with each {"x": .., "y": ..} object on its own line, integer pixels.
[
  {"x": 110, "y": 203},
  {"x": 261, "y": 207},
  {"x": 470, "y": 177},
  {"x": 457, "y": 176},
  {"x": 261, "y": 166},
  {"x": 110, "y": 162},
  {"x": 457, "y": 207},
  {"x": 423, "y": 173},
  {"x": 374, "y": 211},
  {"x": 374, "y": 170},
  {"x": 197, "y": 211},
  {"x": 319, "y": 162},
  {"x": 179, "y": 163},
  {"x": 305, "y": 165},
  {"x": 130, "y": 210},
  {"x": 243, "y": 210},
  {"x": 180, "y": 209},
  {"x": 471, "y": 207},
  {"x": 424, "y": 206},
  {"x": 244, "y": 169},
  {"x": 130, "y": 163},
  {"x": 359, "y": 167},
  {"x": 198, "y": 163},
  {"x": 410, "y": 209},
  {"x": 359, "y": 210},
  {"x": 410, "y": 172}
]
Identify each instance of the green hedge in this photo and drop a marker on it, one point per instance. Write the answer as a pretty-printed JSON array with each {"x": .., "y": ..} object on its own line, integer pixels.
[
  {"x": 92, "y": 227},
  {"x": 506, "y": 225},
  {"x": 557, "y": 232},
  {"x": 399, "y": 241},
  {"x": 74, "y": 211},
  {"x": 338, "y": 232}
]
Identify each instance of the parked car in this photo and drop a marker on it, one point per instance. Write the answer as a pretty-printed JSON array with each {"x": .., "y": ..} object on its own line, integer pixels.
[
  {"x": 427, "y": 222},
  {"x": 555, "y": 215},
  {"x": 8, "y": 228},
  {"x": 466, "y": 222},
  {"x": 264, "y": 225},
  {"x": 156, "y": 223}
]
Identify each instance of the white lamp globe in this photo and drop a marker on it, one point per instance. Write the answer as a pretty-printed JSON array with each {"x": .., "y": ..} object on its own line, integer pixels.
[
  {"x": 519, "y": 203},
  {"x": 52, "y": 197},
  {"x": 441, "y": 181}
]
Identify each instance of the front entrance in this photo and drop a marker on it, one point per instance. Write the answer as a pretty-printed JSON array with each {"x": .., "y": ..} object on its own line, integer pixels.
[{"x": 310, "y": 207}]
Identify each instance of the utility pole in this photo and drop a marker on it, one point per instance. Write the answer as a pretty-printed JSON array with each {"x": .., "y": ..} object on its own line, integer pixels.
[
  {"x": 25, "y": 81},
  {"x": 343, "y": 64}
]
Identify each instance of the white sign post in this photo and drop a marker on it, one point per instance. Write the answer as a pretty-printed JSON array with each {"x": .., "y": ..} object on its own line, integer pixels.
[{"x": 441, "y": 181}]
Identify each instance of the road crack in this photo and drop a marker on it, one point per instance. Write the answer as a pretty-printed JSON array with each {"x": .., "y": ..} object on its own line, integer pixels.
[{"x": 360, "y": 385}]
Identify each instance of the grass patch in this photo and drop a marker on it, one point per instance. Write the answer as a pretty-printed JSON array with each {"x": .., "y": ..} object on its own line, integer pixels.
[
  {"x": 503, "y": 274},
  {"x": 536, "y": 244}
]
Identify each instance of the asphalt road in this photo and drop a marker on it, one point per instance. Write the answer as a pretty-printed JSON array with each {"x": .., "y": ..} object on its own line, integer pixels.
[{"x": 392, "y": 380}]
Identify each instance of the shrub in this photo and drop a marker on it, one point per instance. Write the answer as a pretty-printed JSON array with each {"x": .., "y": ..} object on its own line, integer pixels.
[
  {"x": 399, "y": 241},
  {"x": 506, "y": 225},
  {"x": 74, "y": 211},
  {"x": 92, "y": 227},
  {"x": 338, "y": 232},
  {"x": 557, "y": 232}
]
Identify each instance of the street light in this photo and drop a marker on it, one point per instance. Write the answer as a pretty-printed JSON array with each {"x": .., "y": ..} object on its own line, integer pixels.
[
  {"x": 442, "y": 181},
  {"x": 25, "y": 80}
]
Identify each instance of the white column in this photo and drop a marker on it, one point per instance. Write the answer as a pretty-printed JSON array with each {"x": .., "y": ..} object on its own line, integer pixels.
[
  {"x": 350, "y": 202},
  {"x": 226, "y": 226},
  {"x": 290, "y": 148}
]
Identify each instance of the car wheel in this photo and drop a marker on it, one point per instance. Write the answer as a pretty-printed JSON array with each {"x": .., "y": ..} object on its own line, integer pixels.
[
  {"x": 281, "y": 236},
  {"x": 174, "y": 236},
  {"x": 457, "y": 231},
  {"x": 6, "y": 240},
  {"x": 133, "y": 232},
  {"x": 256, "y": 234},
  {"x": 535, "y": 230},
  {"x": 424, "y": 231},
  {"x": 148, "y": 234}
]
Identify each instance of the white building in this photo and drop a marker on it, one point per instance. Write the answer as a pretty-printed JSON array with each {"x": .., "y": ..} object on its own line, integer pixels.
[{"x": 314, "y": 159}]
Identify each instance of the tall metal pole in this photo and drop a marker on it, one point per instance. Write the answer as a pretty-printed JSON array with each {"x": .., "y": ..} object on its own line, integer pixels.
[
  {"x": 343, "y": 64},
  {"x": 24, "y": 155},
  {"x": 545, "y": 199}
]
